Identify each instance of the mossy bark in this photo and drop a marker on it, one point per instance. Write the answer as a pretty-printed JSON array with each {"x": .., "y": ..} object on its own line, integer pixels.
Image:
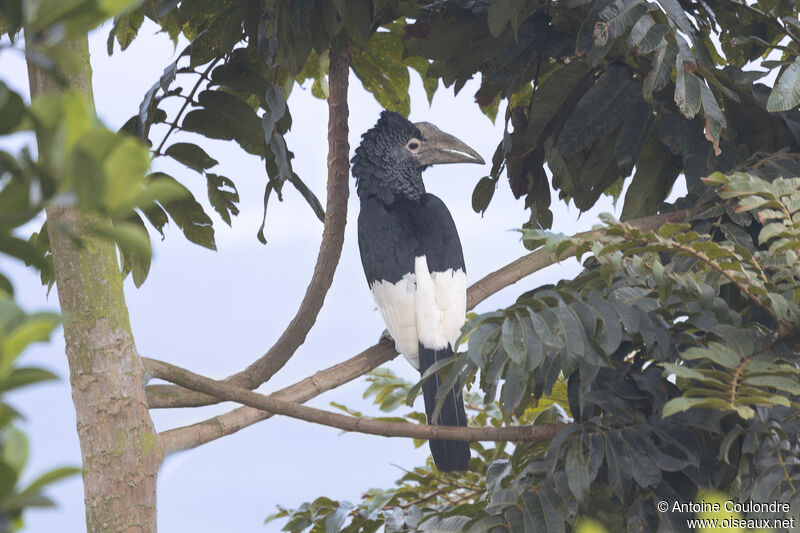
[{"x": 119, "y": 444}]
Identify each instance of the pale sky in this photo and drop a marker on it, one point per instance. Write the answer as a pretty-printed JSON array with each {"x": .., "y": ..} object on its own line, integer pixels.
[{"x": 215, "y": 312}]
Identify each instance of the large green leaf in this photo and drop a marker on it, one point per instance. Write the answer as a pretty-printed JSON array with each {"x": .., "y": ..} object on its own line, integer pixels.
[
  {"x": 12, "y": 109},
  {"x": 187, "y": 213},
  {"x": 688, "y": 94},
  {"x": 600, "y": 110},
  {"x": 786, "y": 93},
  {"x": 380, "y": 67},
  {"x": 191, "y": 155},
  {"x": 621, "y": 15},
  {"x": 660, "y": 72},
  {"x": 656, "y": 172}
]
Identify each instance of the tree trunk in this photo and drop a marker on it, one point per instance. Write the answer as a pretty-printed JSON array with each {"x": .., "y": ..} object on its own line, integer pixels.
[{"x": 119, "y": 445}]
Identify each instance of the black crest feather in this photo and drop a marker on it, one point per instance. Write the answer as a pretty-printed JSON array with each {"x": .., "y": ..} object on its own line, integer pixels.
[{"x": 382, "y": 166}]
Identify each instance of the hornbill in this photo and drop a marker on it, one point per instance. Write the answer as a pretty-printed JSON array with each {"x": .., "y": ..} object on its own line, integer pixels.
[{"x": 412, "y": 255}]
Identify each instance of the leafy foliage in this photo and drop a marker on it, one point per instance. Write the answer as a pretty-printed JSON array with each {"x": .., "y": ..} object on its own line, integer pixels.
[
  {"x": 17, "y": 331},
  {"x": 83, "y": 164},
  {"x": 425, "y": 499},
  {"x": 674, "y": 354}
]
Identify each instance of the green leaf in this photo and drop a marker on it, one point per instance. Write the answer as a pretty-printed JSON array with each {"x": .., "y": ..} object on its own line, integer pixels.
[
  {"x": 125, "y": 29},
  {"x": 621, "y": 14},
  {"x": 11, "y": 18},
  {"x": 125, "y": 168},
  {"x": 604, "y": 106},
  {"x": 356, "y": 18},
  {"x": 308, "y": 195},
  {"x": 223, "y": 196},
  {"x": 482, "y": 194},
  {"x": 577, "y": 469},
  {"x": 661, "y": 69},
  {"x": 268, "y": 189},
  {"x": 677, "y": 405},
  {"x": 90, "y": 13},
  {"x": 514, "y": 388},
  {"x": 651, "y": 40},
  {"x": 49, "y": 478},
  {"x": 218, "y": 38},
  {"x": 593, "y": 38},
  {"x": 132, "y": 238},
  {"x": 230, "y": 115},
  {"x": 618, "y": 463},
  {"x": 633, "y": 135},
  {"x": 715, "y": 120},
  {"x": 207, "y": 124},
  {"x": 22, "y": 376},
  {"x": 274, "y": 111},
  {"x": 14, "y": 449},
  {"x": 501, "y": 13},
  {"x": 22, "y": 250},
  {"x": 191, "y": 155},
  {"x": 779, "y": 305},
  {"x": 656, "y": 172},
  {"x": 688, "y": 95},
  {"x": 133, "y": 260},
  {"x": 678, "y": 15},
  {"x": 188, "y": 214},
  {"x": 34, "y": 328},
  {"x": 540, "y": 514},
  {"x": 550, "y": 96},
  {"x": 786, "y": 93},
  {"x": 380, "y": 67},
  {"x": 430, "y": 82},
  {"x": 12, "y": 109},
  {"x": 716, "y": 352},
  {"x": 645, "y": 472}
]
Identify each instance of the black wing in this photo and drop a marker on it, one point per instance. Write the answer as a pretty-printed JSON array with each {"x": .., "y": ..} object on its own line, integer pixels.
[{"x": 391, "y": 236}]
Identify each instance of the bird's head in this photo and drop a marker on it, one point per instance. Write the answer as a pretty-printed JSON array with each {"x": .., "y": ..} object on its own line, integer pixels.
[{"x": 393, "y": 153}]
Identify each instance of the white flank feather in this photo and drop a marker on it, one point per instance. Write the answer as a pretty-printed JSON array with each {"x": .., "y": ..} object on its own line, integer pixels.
[
  {"x": 423, "y": 307},
  {"x": 441, "y": 305},
  {"x": 397, "y": 303}
]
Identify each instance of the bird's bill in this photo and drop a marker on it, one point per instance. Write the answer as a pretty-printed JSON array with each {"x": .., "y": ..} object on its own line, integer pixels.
[{"x": 439, "y": 147}]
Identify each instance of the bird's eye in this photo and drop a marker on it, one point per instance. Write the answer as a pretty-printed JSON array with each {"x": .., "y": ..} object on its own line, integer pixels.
[{"x": 413, "y": 145}]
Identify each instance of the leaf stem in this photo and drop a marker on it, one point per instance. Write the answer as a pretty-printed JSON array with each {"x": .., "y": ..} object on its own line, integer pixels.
[{"x": 189, "y": 100}]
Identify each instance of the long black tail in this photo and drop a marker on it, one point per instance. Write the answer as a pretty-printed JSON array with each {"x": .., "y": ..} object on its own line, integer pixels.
[{"x": 449, "y": 455}]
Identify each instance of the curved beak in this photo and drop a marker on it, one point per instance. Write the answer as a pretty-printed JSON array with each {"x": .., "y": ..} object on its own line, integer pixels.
[{"x": 439, "y": 147}]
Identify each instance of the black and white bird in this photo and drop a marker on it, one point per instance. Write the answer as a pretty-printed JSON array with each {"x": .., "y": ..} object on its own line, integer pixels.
[{"x": 412, "y": 255}]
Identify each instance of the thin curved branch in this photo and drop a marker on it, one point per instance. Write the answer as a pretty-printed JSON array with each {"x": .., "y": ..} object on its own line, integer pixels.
[
  {"x": 225, "y": 391},
  {"x": 188, "y": 437},
  {"x": 541, "y": 258},
  {"x": 330, "y": 251}
]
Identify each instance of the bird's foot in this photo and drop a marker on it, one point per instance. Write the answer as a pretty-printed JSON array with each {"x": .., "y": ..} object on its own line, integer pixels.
[{"x": 386, "y": 335}]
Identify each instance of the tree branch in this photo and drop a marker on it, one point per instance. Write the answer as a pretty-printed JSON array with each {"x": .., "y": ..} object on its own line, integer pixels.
[
  {"x": 227, "y": 423},
  {"x": 163, "y": 396},
  {"x": 219, "y": 426},
  {"x": 541, "y": 258},
  {"x": 330, "y": 251},
  {"x": 228, "y": 392}
]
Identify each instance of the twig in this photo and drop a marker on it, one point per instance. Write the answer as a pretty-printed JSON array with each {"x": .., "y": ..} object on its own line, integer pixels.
[
  {"x": 730, "y": 277},
  {"x": 228, "y": 392},
  {"x": 189, "y": 100}
]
